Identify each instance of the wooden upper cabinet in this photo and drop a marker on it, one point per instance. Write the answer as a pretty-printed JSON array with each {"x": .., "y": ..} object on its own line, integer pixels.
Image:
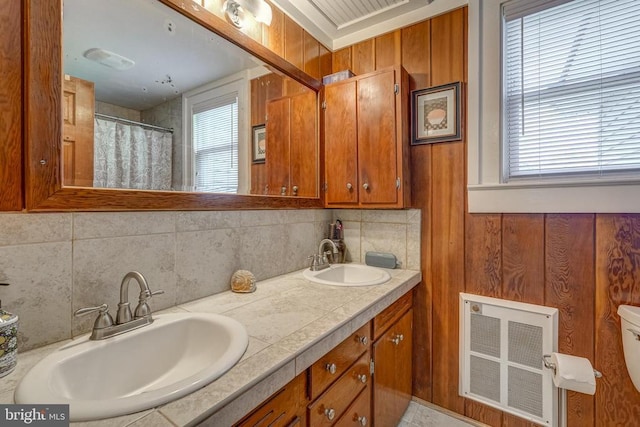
[
  {"x": 291, "y": 158},
  {"x": 366, "y": 141},
  {"x": 78, "y": 106},
  {"x": 303, "y": 152},
  {"x": 277, "y": 156},
  {"x": 340, "y": 143}
]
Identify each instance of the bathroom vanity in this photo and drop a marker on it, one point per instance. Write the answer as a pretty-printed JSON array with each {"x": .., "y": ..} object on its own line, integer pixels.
[{"x": 295, "y": 327}]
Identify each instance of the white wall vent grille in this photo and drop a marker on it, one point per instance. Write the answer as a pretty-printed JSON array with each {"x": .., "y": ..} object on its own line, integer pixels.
[{"x": 501, "y": 347}]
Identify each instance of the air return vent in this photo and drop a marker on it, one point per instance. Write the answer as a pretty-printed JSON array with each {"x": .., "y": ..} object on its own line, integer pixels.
[{"x": 501, "y": 347}]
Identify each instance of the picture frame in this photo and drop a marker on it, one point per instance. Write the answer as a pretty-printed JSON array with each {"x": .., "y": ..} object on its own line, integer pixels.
[
  {"x": 435, "y": 114},
  {"x": 259, "y": 144}
]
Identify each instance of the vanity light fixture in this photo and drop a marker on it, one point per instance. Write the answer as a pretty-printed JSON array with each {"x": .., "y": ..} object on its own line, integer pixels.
[
  {"x": 234, "y": 10},
  {"x": 109, "y": 59}
]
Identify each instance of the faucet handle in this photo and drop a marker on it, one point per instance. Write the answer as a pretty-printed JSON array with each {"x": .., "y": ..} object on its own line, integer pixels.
[
  {"x": 143, "y": 309},
  {"x": 88, "y": 310},
  {"x": 103, "y": 320}
]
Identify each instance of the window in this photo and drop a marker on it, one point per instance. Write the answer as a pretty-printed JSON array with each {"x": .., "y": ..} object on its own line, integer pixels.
[
  {"x": 554, "y": 106},
  {"x": 571, "y": 88},
  {"x": 216, "y": 155},
  {"x": 215, "y": 143}
]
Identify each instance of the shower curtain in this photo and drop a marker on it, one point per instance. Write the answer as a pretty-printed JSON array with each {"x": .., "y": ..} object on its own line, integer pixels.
[{"x": 129, "y": 156}]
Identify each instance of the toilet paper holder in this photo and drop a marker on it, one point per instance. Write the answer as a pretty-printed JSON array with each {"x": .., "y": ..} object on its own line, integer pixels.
[{"x": 552, "y": 366}]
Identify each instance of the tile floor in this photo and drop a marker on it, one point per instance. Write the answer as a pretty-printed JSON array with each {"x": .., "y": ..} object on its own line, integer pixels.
[{"x": 418, "y": 415}]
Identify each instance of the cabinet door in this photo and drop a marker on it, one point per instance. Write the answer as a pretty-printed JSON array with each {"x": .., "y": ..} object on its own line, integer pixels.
[
  {"x": 340, "y": 142},
  {"x": 78, "y": 106},
  {"x": 277, "y": 157},
  {"x": 377, "y": 149},
  {"x": 392, "y": 374},
  {"x": 304, "y": 166}
]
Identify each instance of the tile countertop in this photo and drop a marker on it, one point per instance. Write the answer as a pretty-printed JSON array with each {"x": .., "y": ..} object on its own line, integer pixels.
[{"x": 291, "y": 323}]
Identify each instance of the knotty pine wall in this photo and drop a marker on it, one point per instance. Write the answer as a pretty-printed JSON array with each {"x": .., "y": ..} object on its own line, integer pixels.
[{"x": 585, "y": 265}]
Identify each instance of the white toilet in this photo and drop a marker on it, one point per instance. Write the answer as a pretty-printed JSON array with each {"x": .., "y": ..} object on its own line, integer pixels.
[{"x": 630, "y": 322}]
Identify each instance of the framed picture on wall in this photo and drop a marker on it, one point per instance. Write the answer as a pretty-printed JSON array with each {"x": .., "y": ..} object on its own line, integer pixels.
[
  {"x": 435, "y": 114},
  {"x": 259, "y": 144}
]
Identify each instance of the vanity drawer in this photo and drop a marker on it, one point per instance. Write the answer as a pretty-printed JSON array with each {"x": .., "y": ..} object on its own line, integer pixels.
[
  {"x": 392, "y": 313},
  {"x": 359, "y": 413},
  {"x": 329, "y": 368},
  {"x": 328, "y": 408},
  {"x": 286, "y": 408}
]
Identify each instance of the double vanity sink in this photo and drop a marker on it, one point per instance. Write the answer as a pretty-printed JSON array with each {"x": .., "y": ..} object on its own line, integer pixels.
[{"x": 179, "y": 353}]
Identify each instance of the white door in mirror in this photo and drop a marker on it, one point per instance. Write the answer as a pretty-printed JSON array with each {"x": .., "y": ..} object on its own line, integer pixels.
[{"x": 141, "y": 369}]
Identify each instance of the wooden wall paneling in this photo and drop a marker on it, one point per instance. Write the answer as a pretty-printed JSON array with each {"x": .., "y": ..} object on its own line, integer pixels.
[
  {"x": 421, "y": 190},
  {"x": 11, "y": 106},
  {"x": 447, "y": 46},
  {"x": 341, "y": 60},
  {"x": 483, "y": 254},
  {"x": 311, "y": 55},
  {"x": 416, "y": 59},
  {"x": 570, "y": 286},
  {"x": 483, "y": 276},
  {"x": 293, "y": 43},
  {"x": 325, "y": 61},
  {"x": 617, "y": 282},
  {"x": 523, "y": 257},
  {"x": 416, "y": 53},
  {"x": 273, "y": 35},
  {"x": 447, "y": 264},
  {"x": 388, "y": 50},
  {"x": 363, "y": 59}
]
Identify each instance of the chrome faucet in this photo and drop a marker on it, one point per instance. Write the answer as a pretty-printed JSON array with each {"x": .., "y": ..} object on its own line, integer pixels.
[
  {"x": 319, "y": 260},
  {"x": 105, "y": 327}
]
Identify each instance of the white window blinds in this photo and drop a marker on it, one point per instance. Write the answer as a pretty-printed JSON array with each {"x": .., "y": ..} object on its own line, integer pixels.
[
  {"x": 215, "y": 142},
  {"x": 571, "y": 82}
]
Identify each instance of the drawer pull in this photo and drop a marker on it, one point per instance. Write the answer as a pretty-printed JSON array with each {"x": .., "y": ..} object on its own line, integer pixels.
[
  {"x": 362, "y": 378},
  {"x": 330, "y": 413},
  {"x": 362, "y": 420},
  {"x": 397, "y": 339},
  {"x": 331, "y": 368},
  {"x": 363, "y": 340}
]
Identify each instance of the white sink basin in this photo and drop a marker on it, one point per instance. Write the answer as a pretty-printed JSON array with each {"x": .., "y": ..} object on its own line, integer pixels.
[
  {"x": 140, "y": 369},
  {"x": 348, "y": 275}
]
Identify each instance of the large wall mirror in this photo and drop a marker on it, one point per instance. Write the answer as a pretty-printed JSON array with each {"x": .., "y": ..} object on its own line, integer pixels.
[{"x": 159, "y": 108}]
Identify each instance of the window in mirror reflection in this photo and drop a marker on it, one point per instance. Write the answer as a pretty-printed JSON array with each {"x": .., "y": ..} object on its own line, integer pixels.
[{"x": 215, "y": 143}]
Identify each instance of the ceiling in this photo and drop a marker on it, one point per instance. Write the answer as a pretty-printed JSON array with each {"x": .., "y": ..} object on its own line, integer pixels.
[{"x": 340, "y": 23}]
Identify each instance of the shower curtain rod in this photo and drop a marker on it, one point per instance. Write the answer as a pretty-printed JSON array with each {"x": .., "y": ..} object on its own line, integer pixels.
[{"x": 132, "y": 122}]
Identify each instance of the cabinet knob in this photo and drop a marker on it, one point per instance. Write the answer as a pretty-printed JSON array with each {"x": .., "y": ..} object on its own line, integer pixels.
[
  {"x": 330, "y": 413},
  {"x": 362, "y": 378},
  {"x": 397, "y": 339},
  {"x": 331, "y": 368},
  {"x": 362, "y": 420},
  {"x": 365, "y": 186},
  {"x": 349, "y": 186},
  {"x": 363, "y": 340},
  {"x": 283, "y": 190},
  {"x": 295, "y": 190}
]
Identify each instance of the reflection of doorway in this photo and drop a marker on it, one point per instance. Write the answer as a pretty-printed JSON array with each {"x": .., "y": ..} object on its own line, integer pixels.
[{"x": 77, "y": 134}]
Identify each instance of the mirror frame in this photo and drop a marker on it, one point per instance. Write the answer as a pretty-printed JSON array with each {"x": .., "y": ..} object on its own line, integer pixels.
[{"x": 43, "y": 76}]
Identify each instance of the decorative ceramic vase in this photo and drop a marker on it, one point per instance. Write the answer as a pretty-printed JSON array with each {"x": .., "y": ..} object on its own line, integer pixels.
[{"x": 8, "y": 342}]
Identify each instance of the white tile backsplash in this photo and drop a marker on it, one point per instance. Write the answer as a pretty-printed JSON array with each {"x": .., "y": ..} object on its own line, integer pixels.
[{"x": 59, "y": 262}]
